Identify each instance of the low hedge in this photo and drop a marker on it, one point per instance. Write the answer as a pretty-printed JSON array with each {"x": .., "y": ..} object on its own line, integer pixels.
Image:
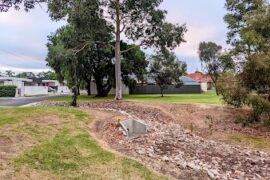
[{"x": 7, "y": 91}]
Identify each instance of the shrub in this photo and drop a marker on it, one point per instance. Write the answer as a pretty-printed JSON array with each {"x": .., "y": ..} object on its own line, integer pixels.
[
  {"x": 233, "y": 93},
  {"x": 261, "y": 109},
  {"x": 7, "y": 91}
]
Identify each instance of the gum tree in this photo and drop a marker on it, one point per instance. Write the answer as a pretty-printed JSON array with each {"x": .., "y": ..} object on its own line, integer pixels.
[
  {"x": 140, "y": 21},
  {"x": 249, "y": 35},
  {"x": 5, "y": 5},
  {"x": 214, "y": 60}
]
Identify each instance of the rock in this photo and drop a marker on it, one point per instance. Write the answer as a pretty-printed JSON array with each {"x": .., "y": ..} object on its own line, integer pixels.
[
  {"x": 165, "y": 158},
  {"x": 141, "y": 152},
  {"x": 168, "y": 142},
  {"x": 194, "y": 167},
  {"x": 211, "y": 174},
  {"x": 239, "y": 174}
]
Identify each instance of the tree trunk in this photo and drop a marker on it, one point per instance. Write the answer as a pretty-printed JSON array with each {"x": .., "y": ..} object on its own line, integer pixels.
[
  {"x": 118, "y": 92},
  {"x": 102, "y": 89},
  {"x": 161, "y": 91},
  {"x": 88, "y": 86},
  {"x": 78, "y": 89},
  {"x": 75, "y": 96},
  {"x": 75, "y": 89}
]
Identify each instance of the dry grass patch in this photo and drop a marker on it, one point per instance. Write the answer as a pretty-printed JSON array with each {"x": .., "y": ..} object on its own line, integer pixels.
[{"x": 249, "y": 141}]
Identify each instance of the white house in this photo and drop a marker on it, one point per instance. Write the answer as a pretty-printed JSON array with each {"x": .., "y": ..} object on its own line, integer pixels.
[
  {"x": 21, "y": 83},
  {"x": 27, "y": 87}
]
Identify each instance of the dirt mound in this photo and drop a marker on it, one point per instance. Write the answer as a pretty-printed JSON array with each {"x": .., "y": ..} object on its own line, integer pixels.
[{"x": 175, "y": 151}]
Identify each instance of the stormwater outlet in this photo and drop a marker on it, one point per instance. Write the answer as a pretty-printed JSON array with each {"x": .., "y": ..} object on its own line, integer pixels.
[{"x": 133, "y": 128}]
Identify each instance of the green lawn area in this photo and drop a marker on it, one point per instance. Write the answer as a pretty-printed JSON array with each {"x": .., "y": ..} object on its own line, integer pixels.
[
  {"x": 204, "y": 98},
  {"x": 55, "y": 144}
]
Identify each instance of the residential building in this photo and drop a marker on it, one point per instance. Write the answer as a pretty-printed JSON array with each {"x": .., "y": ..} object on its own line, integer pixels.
[{"x": 203, "y": 79}]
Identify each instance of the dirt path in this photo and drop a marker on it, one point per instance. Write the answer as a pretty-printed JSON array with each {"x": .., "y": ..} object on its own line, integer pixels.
[{"x": 172, "y": 150}]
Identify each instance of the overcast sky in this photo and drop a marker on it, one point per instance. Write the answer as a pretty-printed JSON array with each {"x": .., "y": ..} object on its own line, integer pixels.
[{"x": 23, "y": 36}]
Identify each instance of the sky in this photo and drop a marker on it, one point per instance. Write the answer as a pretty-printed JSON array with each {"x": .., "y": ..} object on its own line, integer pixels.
[{"x": 23, "y": 36}]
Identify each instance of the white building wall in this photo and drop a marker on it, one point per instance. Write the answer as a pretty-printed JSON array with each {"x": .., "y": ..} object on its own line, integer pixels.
[
  {"x": 204, "y": 86},
  {"x": 63, "y": 90},
  {"x": 35, "y": 90}
]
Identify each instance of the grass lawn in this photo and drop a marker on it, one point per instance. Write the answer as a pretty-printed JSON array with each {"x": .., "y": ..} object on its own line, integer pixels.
[
  {"x": 205, "y": 98},
  {"x": 54, "y": 143}
]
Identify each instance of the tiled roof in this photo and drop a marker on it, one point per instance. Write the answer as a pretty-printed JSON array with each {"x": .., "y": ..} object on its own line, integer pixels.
[{"x": 200, "y": 77}]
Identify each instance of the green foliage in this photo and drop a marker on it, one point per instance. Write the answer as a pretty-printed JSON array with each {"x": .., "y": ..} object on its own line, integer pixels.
[
  {"x": 9, "y": 73},
  {"x": 249, "y": 34},
  {"x": 233, "y": 93},
  {"x": 26, "y": 75},
  {"x": 166, "y": 70},
  {"x": 140, "y": 21},
  {"x": 239, "y": 11},
  {"x": 49, "y": 75},
  {"x": 261, "y": 109},
  {"x": 7, "y": 91},
  {"x": 215, "y": 62},
  {"x": 7, "y": 4}
]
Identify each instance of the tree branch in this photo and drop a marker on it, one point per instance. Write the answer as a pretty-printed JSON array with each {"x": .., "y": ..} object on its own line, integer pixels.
[
  {"x": 133, "y": 47},
  {"x": 88, "y": 43}
]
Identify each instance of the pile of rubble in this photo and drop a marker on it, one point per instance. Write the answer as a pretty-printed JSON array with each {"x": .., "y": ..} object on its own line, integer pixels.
[{"x": 177, "y": 152}]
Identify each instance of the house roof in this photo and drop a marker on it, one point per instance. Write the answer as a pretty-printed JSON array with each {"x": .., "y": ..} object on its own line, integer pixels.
[
  {"x": 50, "y": 81},
  {"x": 189, "y": 81},
  {"x": 198, "y": 76}
]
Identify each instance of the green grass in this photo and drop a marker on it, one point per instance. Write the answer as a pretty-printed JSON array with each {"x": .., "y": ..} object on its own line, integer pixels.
[
  {"x": 62, "y": 147},
  {"x": 78, "y": 156},
  {"x": 250, "y": 141},
  {"x": 205, "y": 98},
  {"x": 16, "y": 115}
]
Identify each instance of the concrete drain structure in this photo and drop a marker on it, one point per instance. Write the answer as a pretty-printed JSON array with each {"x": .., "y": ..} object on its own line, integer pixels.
[{"x": 133, "y": 128}]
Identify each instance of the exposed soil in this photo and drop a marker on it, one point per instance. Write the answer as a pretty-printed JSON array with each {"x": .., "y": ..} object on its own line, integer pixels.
[
  {"x": 196, "y": 118},
  {"x": 183, "y": 153}
]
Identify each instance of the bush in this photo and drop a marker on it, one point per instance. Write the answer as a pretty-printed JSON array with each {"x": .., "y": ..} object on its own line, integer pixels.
[
  {"x": 7, "y": 91},
  {"x": 261, "y": 109},
  {"x": 233, "y": 93}
]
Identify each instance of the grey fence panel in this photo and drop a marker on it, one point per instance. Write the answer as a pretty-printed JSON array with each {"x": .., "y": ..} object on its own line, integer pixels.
[{"x": 154, "y": 89}]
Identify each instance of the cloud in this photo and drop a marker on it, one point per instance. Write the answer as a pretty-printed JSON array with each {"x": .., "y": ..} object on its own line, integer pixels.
[
  {"x": 194, "y": 36},
  {"x": 4, "y": 68},
  {"x": 23, "y": 34},
  {"x": 20, "y": 57},
  {"x": 24, "y": 37}
]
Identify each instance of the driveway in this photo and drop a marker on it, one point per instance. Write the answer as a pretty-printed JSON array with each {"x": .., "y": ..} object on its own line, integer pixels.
[{"x": 16, "y": 102}]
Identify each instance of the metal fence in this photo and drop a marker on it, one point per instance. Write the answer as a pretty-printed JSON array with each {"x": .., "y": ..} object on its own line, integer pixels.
[{"x": 154, "y": 89}]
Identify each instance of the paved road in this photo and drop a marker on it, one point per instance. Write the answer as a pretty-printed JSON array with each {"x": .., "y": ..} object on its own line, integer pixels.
[{"x": 16, "y": 102}]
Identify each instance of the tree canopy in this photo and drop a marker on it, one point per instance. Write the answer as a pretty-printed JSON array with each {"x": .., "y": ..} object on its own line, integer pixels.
[
  {"x": 5, "y": 5},
  {"x": 139, "y": 20},
  {"x": 166, "y": 70},
  {"x": 214, "y": 60},
  {"x": 249, "y": 34}
]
